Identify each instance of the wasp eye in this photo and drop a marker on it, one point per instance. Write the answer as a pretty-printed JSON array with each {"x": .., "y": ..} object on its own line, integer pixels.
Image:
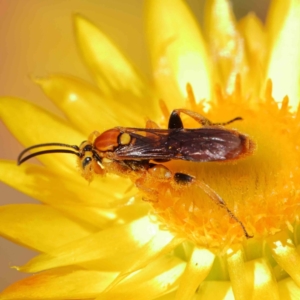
[
  {"x": 86, "y": 162},
  {"x": 87, "y": 148}
]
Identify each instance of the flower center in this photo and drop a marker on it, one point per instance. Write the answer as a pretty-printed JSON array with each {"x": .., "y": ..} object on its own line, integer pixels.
[{"x": 260, "y": 190}]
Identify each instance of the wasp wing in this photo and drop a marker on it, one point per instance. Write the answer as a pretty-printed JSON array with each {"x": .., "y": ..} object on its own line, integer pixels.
[{"x": 202, "y": 144}]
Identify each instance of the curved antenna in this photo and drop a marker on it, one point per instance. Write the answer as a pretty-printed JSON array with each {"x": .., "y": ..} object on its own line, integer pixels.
[{"x": 22, "y": 159}]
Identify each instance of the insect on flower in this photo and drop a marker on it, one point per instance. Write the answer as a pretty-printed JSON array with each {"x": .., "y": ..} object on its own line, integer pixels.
[{"x": 141, "y": 152}]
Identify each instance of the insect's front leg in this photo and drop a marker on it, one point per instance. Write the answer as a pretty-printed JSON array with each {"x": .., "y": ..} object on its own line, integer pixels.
[
  {"x": 158, "y": 173},
  {"x": 176, "y": 122}
]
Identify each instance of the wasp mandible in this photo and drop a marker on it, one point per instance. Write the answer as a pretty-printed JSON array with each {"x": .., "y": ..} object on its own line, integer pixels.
[{"x": 143, "y": 151}]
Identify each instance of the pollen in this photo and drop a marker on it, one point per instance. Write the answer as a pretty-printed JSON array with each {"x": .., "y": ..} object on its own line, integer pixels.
[{"x": 260, "y": 190}]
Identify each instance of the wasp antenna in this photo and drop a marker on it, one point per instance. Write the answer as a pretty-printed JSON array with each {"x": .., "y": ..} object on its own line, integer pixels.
[
  {"x": 22, "y": 159},
  {"x": 236, "y": 119},
  {"x": 233, "y": 120}
]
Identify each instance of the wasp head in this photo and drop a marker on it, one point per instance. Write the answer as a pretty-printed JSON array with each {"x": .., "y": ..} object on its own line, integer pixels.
[{"x": 89, "y": 161}]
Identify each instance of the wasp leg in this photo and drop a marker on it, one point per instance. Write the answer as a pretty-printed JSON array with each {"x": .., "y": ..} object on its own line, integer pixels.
[
  {"x": 176, "y": 122},
  {"x": 161, "y": 173},
  {"x": 185, "y": 179},
  {"x": 149, "y": 191},
  {"x": 156, "y": 172}
]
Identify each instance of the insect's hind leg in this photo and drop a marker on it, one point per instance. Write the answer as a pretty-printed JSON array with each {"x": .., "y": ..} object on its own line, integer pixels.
[
  {"x": 176, "y": 122},
  {"x": 159, "y": 173},
  {"x": 185, "y": 179}
]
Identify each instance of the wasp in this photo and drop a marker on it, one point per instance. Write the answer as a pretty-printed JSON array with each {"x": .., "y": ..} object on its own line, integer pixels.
[{"x": 144, "y": 151}]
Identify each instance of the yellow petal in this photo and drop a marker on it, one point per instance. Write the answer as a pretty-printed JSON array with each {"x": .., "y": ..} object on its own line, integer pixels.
[
  {"x": 104, "y": 247},
  {"x": 177, "y": 51},
  {"x": 288, "y": 289},
  {"x": 196, "y": 271},
  {"x": 237, "y": 271},
  {"x": 33, "y": 125},
  {"x": 256, "y": 51},
  {"x": 115, "y": 76},
  {"x": 64, "y": 283},
  {"x": 91, "y": 203},
  {"x": 226, "y": 44},
  {"x": 283, "y": 25},
  {"x": 217, "y": 290},
  {"x": 50, "y": 187},
  {"x": 127, "y": 213},
  {"x": 81, "y": 102},
  {"x": 286, "y": 255},
  {"x": 168, "y": 296},
  {"x": 39, "y": 227},
  {"x": 262, "y": 280},
  {"x": 154, "y": 280},
  {"x": 254, "y": 279},
  {"x": 161, "y": 243},
  {"x": 88, "y": 215},
  {"x": 277, "y": 13}
]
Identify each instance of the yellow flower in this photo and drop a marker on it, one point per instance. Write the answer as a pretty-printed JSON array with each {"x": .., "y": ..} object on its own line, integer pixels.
[{"x": 100, "y": 240}]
